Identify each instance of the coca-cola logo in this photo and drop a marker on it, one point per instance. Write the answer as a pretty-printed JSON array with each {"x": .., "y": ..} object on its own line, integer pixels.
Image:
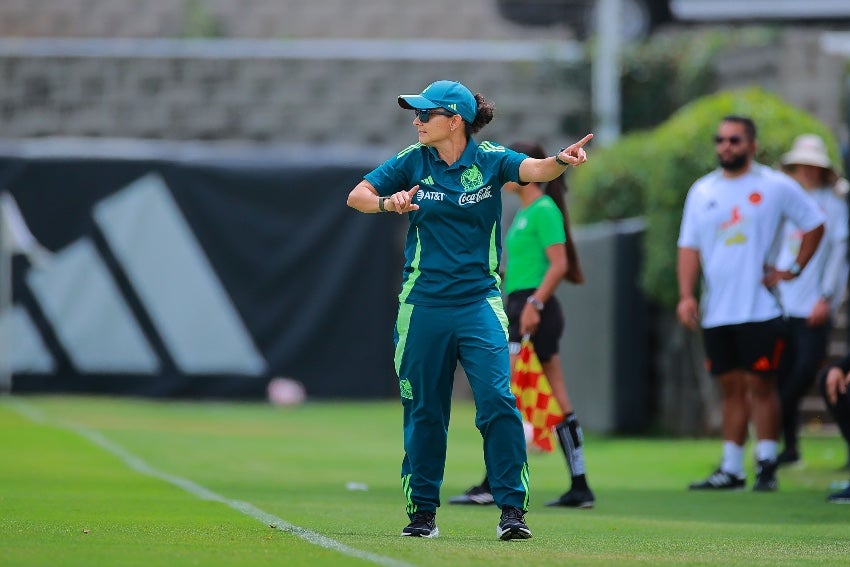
[{"x": 477, "y": 197}]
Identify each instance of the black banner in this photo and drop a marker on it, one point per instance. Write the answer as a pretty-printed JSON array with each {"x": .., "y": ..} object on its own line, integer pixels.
[{"x": 202, "y": 274}]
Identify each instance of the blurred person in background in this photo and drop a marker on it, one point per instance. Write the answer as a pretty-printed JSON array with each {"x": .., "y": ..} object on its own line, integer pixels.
[
  {"x": 540, "y": 253},
  {"x": 450, "y": 305},
  {"x": 731, "y": 224},
  {"x": 811, "y": 300},
  {"x": 833, "y": 386}
]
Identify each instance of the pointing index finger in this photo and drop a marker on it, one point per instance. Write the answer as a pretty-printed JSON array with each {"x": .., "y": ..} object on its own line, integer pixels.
[{"x": 583, "y": 141}]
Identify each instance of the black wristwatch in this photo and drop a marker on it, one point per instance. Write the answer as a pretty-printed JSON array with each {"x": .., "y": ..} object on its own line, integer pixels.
[
  {"x": 795, "y": 269},
  {"x": 559, "y": 160}
]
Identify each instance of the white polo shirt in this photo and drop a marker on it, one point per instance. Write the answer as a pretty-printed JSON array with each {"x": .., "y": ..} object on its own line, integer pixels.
[{"x": 735, "y": 225}]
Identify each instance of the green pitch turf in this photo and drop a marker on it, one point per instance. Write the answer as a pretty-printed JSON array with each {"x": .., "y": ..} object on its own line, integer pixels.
[{"x": 104, "y": 482}]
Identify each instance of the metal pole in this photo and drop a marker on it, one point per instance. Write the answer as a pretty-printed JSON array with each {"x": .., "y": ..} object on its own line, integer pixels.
[{"x": 606, "y": 72}]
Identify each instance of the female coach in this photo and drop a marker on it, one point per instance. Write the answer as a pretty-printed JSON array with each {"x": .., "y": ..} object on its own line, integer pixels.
[{"x": 450, "y": 305}]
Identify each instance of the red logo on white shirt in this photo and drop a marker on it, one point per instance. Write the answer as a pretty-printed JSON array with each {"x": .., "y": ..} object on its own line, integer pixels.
[
  {"x": 736, "y": 218},
  {"x": 755, "y": 197}
]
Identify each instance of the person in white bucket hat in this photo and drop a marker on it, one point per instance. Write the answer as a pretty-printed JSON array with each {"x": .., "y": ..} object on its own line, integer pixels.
[
  {"x": 810, "y": 150},
  {"x": 811, "y": 300}
]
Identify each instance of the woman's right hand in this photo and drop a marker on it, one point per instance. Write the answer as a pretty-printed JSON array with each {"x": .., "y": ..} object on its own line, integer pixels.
[
  {"x": 529, "y": 320},
  {"x": 402, "y": 202}
]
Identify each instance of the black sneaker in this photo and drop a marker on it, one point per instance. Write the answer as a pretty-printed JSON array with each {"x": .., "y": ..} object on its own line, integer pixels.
[
  {"x": 512, "y": 525},
  {"x": 719, "y": 480},
  {"x": 842, "y": 497},
  {"x": 766, "y": 476},
  {"x": 475, "y": 495},
  {"x": 788, "y": 457},
  {"x": 575, "y": 498},
  {"x": 423, "y": 524}
]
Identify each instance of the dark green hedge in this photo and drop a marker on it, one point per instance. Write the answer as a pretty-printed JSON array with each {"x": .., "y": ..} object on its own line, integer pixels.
[
  {"x": 650, "y": 173},
  {"x": 612, "y": 184}
]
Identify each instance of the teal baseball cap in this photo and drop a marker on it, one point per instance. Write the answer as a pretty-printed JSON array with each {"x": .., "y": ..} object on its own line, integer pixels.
[{"x": 451, "y": 95}]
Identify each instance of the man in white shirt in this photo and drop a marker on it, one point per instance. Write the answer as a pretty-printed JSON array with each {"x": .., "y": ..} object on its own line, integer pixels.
[{"x": 730, "y": 232}]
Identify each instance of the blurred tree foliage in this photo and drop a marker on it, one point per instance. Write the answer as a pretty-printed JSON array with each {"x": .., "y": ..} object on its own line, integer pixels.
[{"x": 663, "y": 73}]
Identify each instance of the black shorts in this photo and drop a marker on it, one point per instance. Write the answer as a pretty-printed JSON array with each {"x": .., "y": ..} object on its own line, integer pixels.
[
  {"x": 548, "y": 336},
  {"x": 754, "y": 347}
]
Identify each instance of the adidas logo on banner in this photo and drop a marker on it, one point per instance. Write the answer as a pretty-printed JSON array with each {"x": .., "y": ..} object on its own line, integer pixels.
[{"x": 168, "y": 271}]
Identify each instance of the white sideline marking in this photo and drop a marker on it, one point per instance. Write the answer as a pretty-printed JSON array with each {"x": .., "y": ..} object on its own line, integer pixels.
[{"x": 140, "y": 466}]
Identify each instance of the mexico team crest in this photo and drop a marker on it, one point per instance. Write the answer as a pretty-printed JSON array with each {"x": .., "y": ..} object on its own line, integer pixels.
[{"x": 471, "y": 179}]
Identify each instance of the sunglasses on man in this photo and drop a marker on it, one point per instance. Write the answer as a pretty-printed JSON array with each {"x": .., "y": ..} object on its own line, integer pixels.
[
  {"x": 733, "y": 140},
  {"x": 424, "y": 115}
]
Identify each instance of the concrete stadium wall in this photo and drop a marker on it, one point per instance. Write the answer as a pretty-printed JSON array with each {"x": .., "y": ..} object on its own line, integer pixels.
[
  {"x": 285, "y": 98},
  {"x": 606, "y": 346},
  {"x": 239, "y": 92}
]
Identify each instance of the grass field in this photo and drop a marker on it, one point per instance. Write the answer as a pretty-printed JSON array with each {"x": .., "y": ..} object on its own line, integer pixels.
[{"x": 104, "y": 482}]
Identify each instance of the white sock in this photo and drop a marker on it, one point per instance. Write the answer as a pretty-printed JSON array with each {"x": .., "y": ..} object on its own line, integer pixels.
[
  {"x": 733, "y": 459},
  {"x": 766, "y": 450}
]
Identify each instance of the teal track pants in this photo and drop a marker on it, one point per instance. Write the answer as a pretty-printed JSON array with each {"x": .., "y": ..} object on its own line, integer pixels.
[{"x": 429, "y": 343}]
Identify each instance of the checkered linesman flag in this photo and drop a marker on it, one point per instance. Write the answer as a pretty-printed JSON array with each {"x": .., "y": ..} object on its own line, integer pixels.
[{"x": 534, "y": 397}]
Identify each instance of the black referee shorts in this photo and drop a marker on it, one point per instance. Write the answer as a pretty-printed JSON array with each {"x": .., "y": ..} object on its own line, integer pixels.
[
  {"x": 754, "y": 347},
  {"x": 548, "y": 336}
]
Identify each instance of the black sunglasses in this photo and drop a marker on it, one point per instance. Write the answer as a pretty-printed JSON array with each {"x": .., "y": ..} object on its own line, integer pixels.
[
  {"x": 424, "y": 115},
  {"x": 733, "y": 140}
]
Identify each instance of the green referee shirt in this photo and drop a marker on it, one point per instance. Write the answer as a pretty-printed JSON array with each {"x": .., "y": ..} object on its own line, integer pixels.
[
  {"x": 534, "y": 228},
  {"x": 453, "y": 245}
]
